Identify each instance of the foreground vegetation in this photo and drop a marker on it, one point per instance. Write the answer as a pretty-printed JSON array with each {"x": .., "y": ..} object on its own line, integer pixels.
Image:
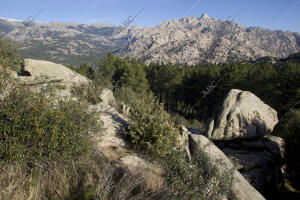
[
  {"x": 45, "y": 147},
  {"x": 36, "y": 127},
  {"x": 192, "y": 93},
  {"x": 46, "y": 151}
]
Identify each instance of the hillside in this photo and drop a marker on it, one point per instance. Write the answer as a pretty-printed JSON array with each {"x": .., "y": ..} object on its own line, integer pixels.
[
  {"x": 193, "y": 41},
  {"x": 184, "y": 41},
  {"x": 67, "y": 43}
]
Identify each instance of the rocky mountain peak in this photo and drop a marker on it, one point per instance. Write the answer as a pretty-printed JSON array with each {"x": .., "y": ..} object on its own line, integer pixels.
[
  {"x": 192, "y": 41},
  {"x": 204, "y": 16}
]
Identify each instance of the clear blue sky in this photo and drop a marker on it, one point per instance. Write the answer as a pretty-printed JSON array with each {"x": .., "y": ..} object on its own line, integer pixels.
[{"x": 271, "y": 14}]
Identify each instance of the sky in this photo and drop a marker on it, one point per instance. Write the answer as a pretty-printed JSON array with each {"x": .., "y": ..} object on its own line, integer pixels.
[{"x": 270, "y": 14}]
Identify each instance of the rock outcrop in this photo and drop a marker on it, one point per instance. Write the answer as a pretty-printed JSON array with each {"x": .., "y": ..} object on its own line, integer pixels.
[
  {"x": 193, "y": 144},
  {"x": 39, "y": 73},
  {"x": 45, "y": 71},
  {"x": 112, "y": 145},
  {"x": 259, "y": 161},
  {"x": 241, "y": 129},
  {"x": 107, "y": 98},
  {"x": 241, "y": 189},
  {"x": 242, "y": 116}
]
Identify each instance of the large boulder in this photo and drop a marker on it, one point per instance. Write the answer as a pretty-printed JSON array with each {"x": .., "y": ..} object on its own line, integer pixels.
[
  {"x": 241, "y": 189},
  {"x": 242, "y": 130},
  {"x": 242, "y": 116},
  {"x": 40, "y": 71}
]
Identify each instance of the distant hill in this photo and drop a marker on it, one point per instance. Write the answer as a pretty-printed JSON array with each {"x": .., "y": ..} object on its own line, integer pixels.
[
  {"x": 184, "y": 41},
  {"x": 68, "y": 43},
  {"x": 192, "y": 41}
]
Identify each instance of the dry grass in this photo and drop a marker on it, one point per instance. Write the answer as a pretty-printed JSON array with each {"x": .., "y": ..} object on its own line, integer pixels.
[
  {"x": 48, "y": 180},
  {"x": 84, "y": 179}
]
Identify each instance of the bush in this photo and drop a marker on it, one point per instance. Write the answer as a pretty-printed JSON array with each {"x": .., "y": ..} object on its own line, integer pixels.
[
  {"x": 196, "y": 180},
  {"x": 84, "y": 69},
  {"x": 189, "y": 123},
  {"x": 126, "y": 72},
  {"x": 34, "y": 126},
  {"x": 8, "y": 54},
  {"x": 88, "y": 93},
  {"x": 106, "y": 68},
  {"x": 151, "y": 127},
  {"x": 126, "y": 95}
]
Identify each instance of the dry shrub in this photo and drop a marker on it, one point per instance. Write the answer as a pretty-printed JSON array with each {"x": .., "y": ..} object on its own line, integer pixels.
[
  {"x": 119, "y": 183},
  {"x": 84, "y": 179},
  {"x": 55, "y": 180},
  {"x": 196, "y": 180}
]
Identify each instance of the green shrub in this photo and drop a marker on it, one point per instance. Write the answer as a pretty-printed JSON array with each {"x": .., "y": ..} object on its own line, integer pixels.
[
  {"x": 151, "y": 127},
  {"x": 106, "y": 68},
  {"x": 128, "y": 73},
  {"x": 196, "y": 180},
  {"x": 88, "y": 93},
  {"x": 8, "y": 54},
  {"x": 84, "y": 69},
  {"x": 35, "y": 126},
  {"x": 191, "y": 123},
  {"x": 126, "y": 95}
]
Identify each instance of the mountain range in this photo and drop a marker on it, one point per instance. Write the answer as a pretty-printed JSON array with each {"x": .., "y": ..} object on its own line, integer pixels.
[
  {"x": 67, "y": 43},
  {"x": 189, "y": 40}
]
